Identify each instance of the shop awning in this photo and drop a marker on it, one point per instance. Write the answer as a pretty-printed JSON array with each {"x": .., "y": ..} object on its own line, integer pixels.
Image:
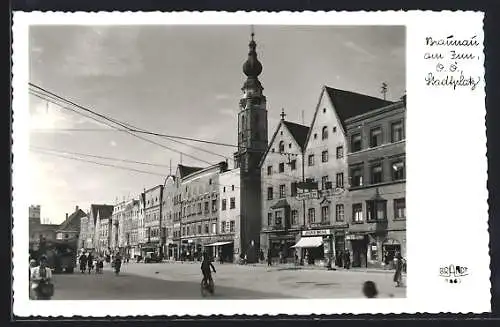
[
  {"x": 309, "y": 242},
  {"x": 219, "y": 243}
]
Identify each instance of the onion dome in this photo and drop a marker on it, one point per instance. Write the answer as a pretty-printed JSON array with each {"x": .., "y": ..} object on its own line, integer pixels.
[{"x": 252, "y": 67}]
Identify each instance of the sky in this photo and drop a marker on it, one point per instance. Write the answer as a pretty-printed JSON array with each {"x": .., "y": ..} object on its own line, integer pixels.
[{"x": 184, "y": 81}]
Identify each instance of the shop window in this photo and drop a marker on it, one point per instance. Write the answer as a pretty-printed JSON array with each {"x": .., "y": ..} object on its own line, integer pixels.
[
  {"x": 398, "y": 170},
  {"x": 397, "y": 131},
  {"x": 282, "y": 191},
  {"x": 293, "y": 188},
  {"x": 324, "y": 156},
  {"x": 293, "y": 164},
  {"x": 376, "y": 174},
  {"x": 278, "y": 218},
  {"x": 269, "y": 219},
  {"x": 282, "y": 146},
  {"x": 269, "y": 193},
  {"x": 373, "y": 251},
  {"x": 310, "y": 160},
  {"x": 339, "y": 152},
  {"x": 375, "y": 137},
  {"x": 356, "y": 176},
  {"x": 232, "y": 203},
  {"x": 324, "y": 133},
  {"x": 295, "y": 217},
  {"x": 339, "y": 212},
  {"x": 231, "y": 226},
  {"x": 357, "y": 213},
  {"x": 355, "y": 142},
  {"x": 325, "y": 214},
  {"x": 340, "y": 180},
  {"x": 269, "y": 170},
  {"x": 311, "y": 215},
  {"x": 281, "y": 167},
  {"x": 400, "y": 208},
  {"x": 223, "y": 227},
  {"x": 376, "y": 210}
]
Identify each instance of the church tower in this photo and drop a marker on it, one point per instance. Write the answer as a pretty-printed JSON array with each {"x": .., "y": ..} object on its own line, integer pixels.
[{"x": 252, "y": 144}]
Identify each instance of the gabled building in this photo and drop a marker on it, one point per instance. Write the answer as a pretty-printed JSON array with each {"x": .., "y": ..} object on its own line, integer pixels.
[
  {"x": 152, "y": 203},
  {"x": 171, "y": 241},
  {"x": 282, "y": 169},
  {"x": 96, "y": 213},
  {"x": 70, "y": 228}
]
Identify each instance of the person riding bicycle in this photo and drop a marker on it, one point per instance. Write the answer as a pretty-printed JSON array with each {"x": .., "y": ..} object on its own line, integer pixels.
[{"x": 205, "y": 268}]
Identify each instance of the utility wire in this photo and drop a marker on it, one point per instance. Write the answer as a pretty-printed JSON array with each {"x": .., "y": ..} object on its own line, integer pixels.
[
  {"x": 100, "y": 163},
  {"x": 129, "y": 132},
  {"x": 98, "y": 157}
]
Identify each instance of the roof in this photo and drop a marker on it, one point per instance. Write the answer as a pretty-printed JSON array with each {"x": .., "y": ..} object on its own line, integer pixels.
[
  {"x": 105, "y": 210},
  {"x": 73, "y": 221},
  {"x": 350, "y": 104},
  {"x": 299, "y": 132},
  {"x": 188, "y": 170}
]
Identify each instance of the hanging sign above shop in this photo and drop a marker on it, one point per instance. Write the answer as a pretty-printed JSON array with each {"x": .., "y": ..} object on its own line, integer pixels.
[
  {"x": 317, "y": 232},
  {"x": 354, "y": 237}
]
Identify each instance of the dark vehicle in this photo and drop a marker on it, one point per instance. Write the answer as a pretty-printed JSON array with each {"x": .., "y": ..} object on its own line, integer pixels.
[
  {"x": 152, "y": 257},
  {"x": 61, "y": 254}
]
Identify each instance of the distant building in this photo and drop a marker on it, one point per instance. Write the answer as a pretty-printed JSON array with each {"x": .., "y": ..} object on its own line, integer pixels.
[
  {"x": 91, "y": 226},
  {"x": 37, "y": 230},
  {"x": 171, "y": 239},
  {"x": 71, "y": 227},
  {"x": 152, "y": 201}
]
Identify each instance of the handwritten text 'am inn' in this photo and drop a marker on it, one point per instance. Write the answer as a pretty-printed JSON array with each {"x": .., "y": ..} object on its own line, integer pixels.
[{"x": 450, "y": 60}]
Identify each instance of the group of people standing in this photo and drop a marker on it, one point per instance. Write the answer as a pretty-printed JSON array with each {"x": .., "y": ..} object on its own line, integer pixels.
[{"x": 88, "y": 261}]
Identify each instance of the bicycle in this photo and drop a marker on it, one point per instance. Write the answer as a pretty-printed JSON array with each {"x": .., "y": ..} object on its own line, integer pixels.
[{"x": 207, "y": 287}]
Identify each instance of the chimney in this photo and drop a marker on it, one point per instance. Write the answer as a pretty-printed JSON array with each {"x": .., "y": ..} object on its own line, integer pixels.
[
  {"x": 76, "y": 209},
  {"x": 66, "y": 216}
]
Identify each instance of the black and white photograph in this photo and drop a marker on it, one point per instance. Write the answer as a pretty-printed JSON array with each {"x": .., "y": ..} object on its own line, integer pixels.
[{"x": 240, "y": 160}]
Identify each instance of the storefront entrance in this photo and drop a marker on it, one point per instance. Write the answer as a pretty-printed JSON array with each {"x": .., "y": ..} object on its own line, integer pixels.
[
  {"x": 359, "y": 253},
  {"x": 390, "y": 248}
]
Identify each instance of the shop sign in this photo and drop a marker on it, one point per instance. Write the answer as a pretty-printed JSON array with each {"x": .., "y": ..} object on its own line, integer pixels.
[
  {"x": 333, "y": 191},
  {"x": 355, "y": 237},
  {"x": 313, "y": 194},
  {"x": 317, "y": 232}
]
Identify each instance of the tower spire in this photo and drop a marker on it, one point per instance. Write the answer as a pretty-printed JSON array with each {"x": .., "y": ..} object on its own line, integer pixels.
[{"x": 282, "y": 115}]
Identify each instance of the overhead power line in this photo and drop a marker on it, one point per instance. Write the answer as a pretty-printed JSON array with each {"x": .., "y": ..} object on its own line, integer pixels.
[{"x": 98, "y": 157}]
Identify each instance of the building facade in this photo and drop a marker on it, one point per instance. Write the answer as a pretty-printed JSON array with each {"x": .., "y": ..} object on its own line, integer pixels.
[
  {"x": 252, "y": 144},
  {"x": 198, "y": 199},
  {"x": 133, "y": 231},
  {"x": 281, "y": 170},
  {"x": 141, "y": 229},
  {"x": 152, "y": 198},
  {"x": 70, "y": 228},
  {"x": 96, "y": 213},
  {"x": 377, "y": 187},
  {"x": 169, "y": 193}
]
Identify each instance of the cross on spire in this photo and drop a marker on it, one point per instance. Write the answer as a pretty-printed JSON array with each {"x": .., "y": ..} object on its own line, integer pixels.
[
  {"x": 283, "y": 115},
  {"x": 384, "y": 90}
]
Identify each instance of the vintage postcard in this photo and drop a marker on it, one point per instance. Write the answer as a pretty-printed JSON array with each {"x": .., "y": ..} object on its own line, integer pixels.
[{"x": 249, "y": 163}]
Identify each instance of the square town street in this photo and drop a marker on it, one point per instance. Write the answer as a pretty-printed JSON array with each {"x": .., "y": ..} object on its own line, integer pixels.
[{"x": 182, "y": 281}]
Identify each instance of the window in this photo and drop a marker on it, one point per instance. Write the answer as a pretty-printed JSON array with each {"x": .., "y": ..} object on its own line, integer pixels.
[
  {"x": 293, "y": 164},
  {"x": 356, "y": 176},
  {"x": 269, "y": 219},
  {"x": 232, "y": 203},
  {"x": 325, "y": 214},
  {"x": 376, "y": 174},
  {"x": 295, "y": 217},
  {"x": 210, "y": 181},
  {"x": 269, "y": 193},
  {"x": 398, "y": 170},
  {"x": 376, "y": 210},
  {"x": 334, "y": 129},
  {"x": 340, "y": 152},
  {"x": 339, "y": 212},
  {"x": 293, "y": 188},
  {"x": 231, "y": 226},
  {"x": 199, "y": 208},
  {"x": 199, "y": 229},
  {"x": 206, "y": 207},
  {"x": 375, "y": 137},
  {"x": 269, "y": 170},
  {"x": 214, "y": 228},
  {"x": 324, "y": 156},
  {"x": 357, "y": 213},
  {"x": 232, "y": 187},
  {"x": 373, "y": 251},
  {"x": 315, "y": 135},
  {"x": 324, "y": 133},
  {"x": 310, "y": 160},
  {"x": 282, "y": 191},
  {"x": 324, "y": 179},
  {"x": 278, "y": 218},
  {"x": 289, "y": 145},
  {"x": 356, "y": 142},
  {"x": 311, "y": 215},
  {"x": 400, "y": 208},
  {"x": 188, "y": 230},
  {"x": 324, "y": 110},
  {"x": 282, "y": 146},
  {"x": 397, "y": 132},
  {"x": 214, "y": 205},
  {"x": 281, "y": 167},
  {"x": 223, "y": 227},
  {"x": 224, "y": 189},
  {"x": 339, "y": 178}
]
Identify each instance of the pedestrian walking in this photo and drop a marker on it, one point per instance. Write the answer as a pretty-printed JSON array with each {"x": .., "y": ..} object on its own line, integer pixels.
[
  {"x": 398, "y": 274},
  {"x": 269, "y": 258},
  {"x": 83, "y": 262},
  {"x": 90, "y": 262},
  {"x": 347, "y": 259}
]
